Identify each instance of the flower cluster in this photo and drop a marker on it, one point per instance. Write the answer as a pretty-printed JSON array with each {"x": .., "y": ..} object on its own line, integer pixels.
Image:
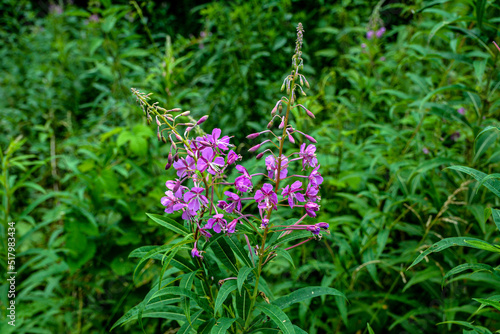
[{"x": 210, "y": 203}]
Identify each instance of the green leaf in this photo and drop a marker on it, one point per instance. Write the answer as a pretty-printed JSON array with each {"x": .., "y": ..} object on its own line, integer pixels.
[
  {"x": 224, "y": 253},
  {"x": 222, "y": 326},
  {"x": 278, "y": 316},
  {"x": 488, "y": 302},
  {"x": 225, "y": 290},
  {"x": 188, "y": 325},
  {"x": 484, "y": 245},
  {"x": 305, "y": 293},
  {"x": 286, "y": 255},
  {"x": 166, "y": 263},
  {"x": 480, "y": 9},
  {"x": 492, "y": 184},
  {"x": 242, "y": 276},
  {"x": 483, "y": 142},
  {"x": 370, "y": 330},
  {"x": 154, "y": 310},
  {"x": 239, "y": 251},
  {"x": 169, "y": 224},
  {"x": 177, "y": 291},
  {"x": 467, "y": 266},
  {"x": 444, "y": 244},
  {"x": 479, "y": 330},
  {"x": 243, "y": 304},
  {"x": 496, "y": 217}
]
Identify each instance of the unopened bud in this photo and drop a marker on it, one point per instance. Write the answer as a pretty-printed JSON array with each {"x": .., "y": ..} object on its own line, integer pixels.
[
  {"x": 270, "y": 124},
  {"x": 173, "y": 145},
  {"x": 163, "y": 139},
  {"x": 253, "y": 135},
  {"x": 175, "y": 109},
  {"x": 280, "y": 108},
  {"x": 176, "y": 157},
  {"x": 169, "y": 117},
  {"x": 186, "y": 113},
  {"x": 158, "y": 135},
  {"x": 178, "y": 136},
  {"x": 311, "y": 139},
  {"x": 310, "y": 114},
  {"x": 290, "y": 138},
  {"x": 260, "y": 155},
  {"x": 282, "y": 124},
  {"x": 158, "y": 121},
  {"x": 201, "y": 120},
  {"x": 188, "y": 129},
  {"x": 254, "y": 148}
]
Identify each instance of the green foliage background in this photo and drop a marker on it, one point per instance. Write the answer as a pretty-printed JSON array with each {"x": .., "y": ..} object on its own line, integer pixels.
[{"x": 81, "y": 167}]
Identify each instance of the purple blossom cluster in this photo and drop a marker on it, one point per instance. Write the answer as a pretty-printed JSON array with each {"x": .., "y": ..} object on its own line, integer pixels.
[
  {"x": 210, "y": 203},
  {"x": 378, "y": 34}
]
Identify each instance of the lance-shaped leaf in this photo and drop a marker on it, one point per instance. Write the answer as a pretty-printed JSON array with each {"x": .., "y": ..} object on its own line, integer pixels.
[
  {"x": 222, "y": 326},
  {"x": 278, "y": 317},
  {"x": 168, "y": 223},
  {"x": 225, "y": 290},
  {"x": 242, "y": 276},
  {"x": 306, "y": 293},
  {"x": 224, "y": 253}
]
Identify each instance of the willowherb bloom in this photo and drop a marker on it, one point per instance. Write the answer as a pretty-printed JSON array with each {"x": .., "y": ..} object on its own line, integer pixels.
[
  {"x": 455, "y": 135},
  {"x": 217, "y": 223},
  {"x": 210, "y": 161},
  {"x": 184, "y": 166},
  {"x": 461, "y": 111},
  {"x": 311, "y": 208},
  {"x": 291, "y": 191},
  {"x": 425, "y": 150},
  {"x": 272, "y": 167},
  {"x": 380, "y": 32},
  {"x": 308, "y": 155},
  {"x": 369, "y": 34},
  {"x": 216, "y": 142},
  {"x": 266, "y": 197}
]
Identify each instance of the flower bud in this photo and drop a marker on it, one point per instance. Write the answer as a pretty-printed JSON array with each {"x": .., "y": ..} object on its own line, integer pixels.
[
  {"x": 280, "y": 108},
  {"x": 323, "y": 225},
  {"x": 253, "y": 135},
  {"x": 290, "y": 138},
  {"x": 202, "y": 120},
  {"x": 186, "y": 113},
  {"x": 175, "y": 109},
  {"x": 311, "y": 139},
  {"x": 282, "y": 124},
  {"x": 310, "y": 114},
  {"x": 158, "y": 135},
  {"x": 169, "y": 117},
  {"x": 158, "y": 121},
  {"x": 163, "y": 139},
  {"x": 169, "y": 161},
  {"x": 178, "y": 136},
  {"x": 270, "y": 124},
  {"x": 260, "y": 155},
  {"x": 189, "y": 128},
  {"x": 176, "y": 157},
  {"x": 254, "y": 148}
]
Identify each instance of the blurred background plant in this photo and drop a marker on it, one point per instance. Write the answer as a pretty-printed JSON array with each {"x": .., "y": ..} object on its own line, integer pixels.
[{"x": 396, "y": 106}]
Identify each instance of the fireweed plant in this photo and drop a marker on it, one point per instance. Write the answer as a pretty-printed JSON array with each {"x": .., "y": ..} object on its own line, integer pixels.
[{"x": 244, "y": 224}]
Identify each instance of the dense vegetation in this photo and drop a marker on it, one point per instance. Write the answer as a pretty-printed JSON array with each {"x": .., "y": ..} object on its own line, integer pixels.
[{"x": 394, "y": 110}]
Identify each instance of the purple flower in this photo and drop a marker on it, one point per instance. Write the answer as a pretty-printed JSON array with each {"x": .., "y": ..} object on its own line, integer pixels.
[
  {"x": 273, "y": 168},
  {"x": 311, "y": 209},
  {"x": 176, "y": 188},
  {"x": 195, "y": 199},
  {"x": 235, "y": 202},
  {"x": 171, "y": 202},
  {"x": 369, "y": 34},
  {"x": 455, "y": 135},
  {"x": 308, "y": 155},
  {"x": 231, "y": 227},
  {"x": 243, "y": 183},
  {"x": 265, "y": 222},
  {"x": 315, "y": 177},
  {"x": 213, "y": 139},
  {"x": 380, "y": 32},
  {"x": 461, "y": 111},
  {"x": 232, "y": 157},
  {"x": 382, "y": 58},
  {"x": 290, "y": 191},
  {"x": 196, "y": 252},
  {"x": 425, "y": 150},
  {"x": 363, "y": 45},
  {"x": 266, "y": 197},
  {"x": 312, "y": 193},
  {"x": 188, "y": 214},
  {"x": 207, "y": 161},
  {"x": 184, "y": 166},
  {"x": 316, "y": 229},
  {"x": 217, "y": 223}
]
